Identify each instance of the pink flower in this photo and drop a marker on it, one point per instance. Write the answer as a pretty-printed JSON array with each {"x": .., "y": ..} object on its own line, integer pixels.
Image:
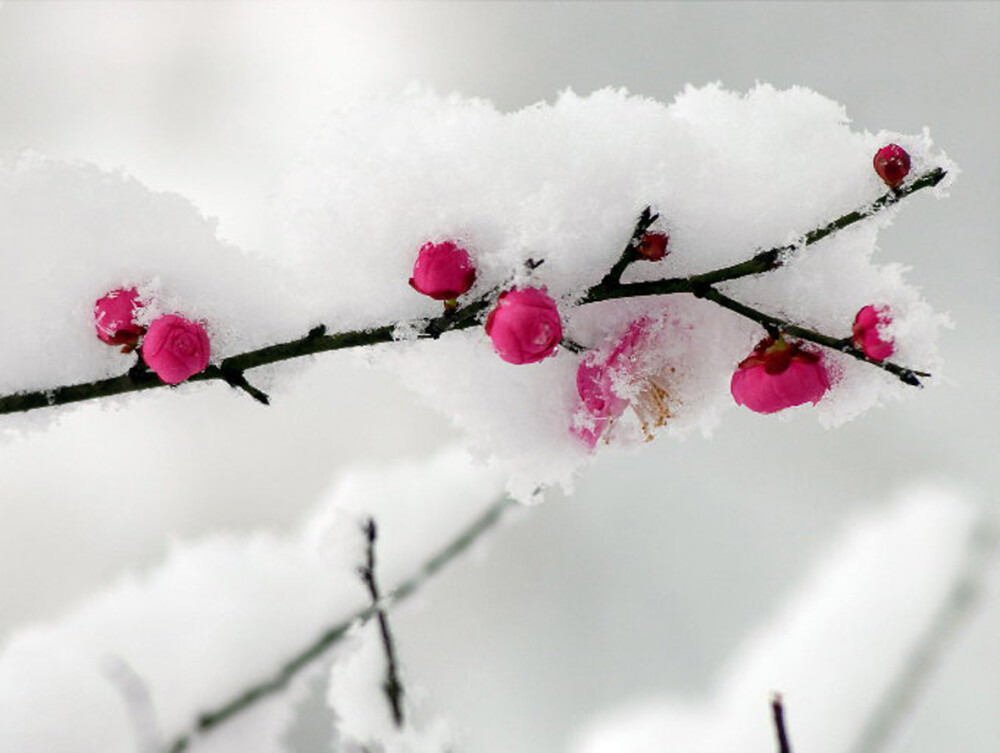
[
  {"x": 779, "y": 375},
  {"x": 892, "y": 163},
  {"x": 624, "y": 378},
  {"x": 443, "y": 271},
  {"x": 595, "y": 383},
  {"x": 866, "y": 327},
  {"x": 653, "y": 246},
  {"x": 114, "y": 317},
  {"x": 175, "y": 348},
  {"x": 525, "y": 326}
]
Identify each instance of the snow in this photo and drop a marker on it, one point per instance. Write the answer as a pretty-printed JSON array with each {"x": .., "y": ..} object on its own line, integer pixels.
[
  {"x": 832, "y": 650},
  {"x": 562, "y": 182},
  {"x": 224, "y": 613}
]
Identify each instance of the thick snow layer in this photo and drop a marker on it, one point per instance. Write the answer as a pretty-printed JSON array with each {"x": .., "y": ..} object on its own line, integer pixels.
[
  {"x": 832, "y": 651},
  {"x": 221, "y": 615},
  {"x": 564, "y": 182}
]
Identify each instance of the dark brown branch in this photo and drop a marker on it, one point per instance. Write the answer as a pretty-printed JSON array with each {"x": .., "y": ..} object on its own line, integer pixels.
[
  {"x": 466, "y": 316},
  {"x": 244, "y": 700},
  {"x": 778, "y": 714},
  {"x": 392, "y": 686}
]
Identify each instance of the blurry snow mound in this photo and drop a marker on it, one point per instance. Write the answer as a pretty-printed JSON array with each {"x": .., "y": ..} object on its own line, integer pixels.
[
  {"x": 564, "y": 182},
  {"x": 223, "y": 614},
  {"x": 833, "y": 650}
]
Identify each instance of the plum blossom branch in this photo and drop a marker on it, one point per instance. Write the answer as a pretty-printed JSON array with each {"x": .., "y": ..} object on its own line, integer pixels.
[
  {"x": 232, "y": 369},
  {"x": 279, "y": 681},
  {"x": 392, "y": 686}
]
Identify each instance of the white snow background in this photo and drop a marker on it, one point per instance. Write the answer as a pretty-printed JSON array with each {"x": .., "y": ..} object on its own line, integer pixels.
[{"x": 224, "y": 104}]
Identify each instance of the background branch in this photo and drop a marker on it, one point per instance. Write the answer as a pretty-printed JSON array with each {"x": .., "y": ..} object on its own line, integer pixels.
[
  {"x": 246, "y": 699},
  {"x": 778, "y": 714}
]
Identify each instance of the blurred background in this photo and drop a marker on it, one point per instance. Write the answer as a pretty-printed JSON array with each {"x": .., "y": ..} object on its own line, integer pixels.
[{"x": 649, "y": 577}]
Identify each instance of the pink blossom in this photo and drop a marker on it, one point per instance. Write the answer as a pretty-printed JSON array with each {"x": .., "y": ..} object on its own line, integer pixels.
[
  {"x": 601, "y": 380},
  {"x": 892, "y": 163},
  {"x": 443, "y": 271},
  {"x": 867, "y": 338},
  {"x": 114, "y": 317},
  {"x": 175, "y": 348},
  {"x": 525, "y": 326},
  {"x": 779, "y": 375}
]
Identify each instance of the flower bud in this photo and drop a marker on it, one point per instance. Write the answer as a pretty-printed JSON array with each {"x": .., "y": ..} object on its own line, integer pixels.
[
  {"x": 653, "y": 246},
  {"x": 114, "y": 317},
  {"x": 443, "y": 271},
  {"x": 525, "y": 326},
  {"x": 175, "y": 348},
  {"x": 867, "y": 338},
  {"x": 779, "y": 375},
  {"x": 892, "y": 163}
]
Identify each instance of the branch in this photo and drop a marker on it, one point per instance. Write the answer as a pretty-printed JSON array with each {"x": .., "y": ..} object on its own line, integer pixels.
[
  {"x": 955, "y": 610},
  {"x": 209, "y": 720},
  {"x": 392, "y": 686},
  {"x": 778, "y": 714},
  {"x": 468, "y": 315}
]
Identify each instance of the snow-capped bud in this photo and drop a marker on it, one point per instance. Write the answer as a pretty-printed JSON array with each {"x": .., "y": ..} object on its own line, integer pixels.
[
  {"x": 524, "y": 326},
  {"x": 892, "y": 163},
  {"x": 653, "y": 246},
  {"x": 114, "y": 317},
  {"x": 443, "y": 271},
  {"x": 867, "y": 337},
  {"x": 175, "y": 348},
  {"x": 779, "y": 375}
]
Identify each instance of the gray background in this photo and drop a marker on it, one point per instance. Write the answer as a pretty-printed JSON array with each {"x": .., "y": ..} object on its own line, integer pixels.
[{"x": 573, "y": 609}]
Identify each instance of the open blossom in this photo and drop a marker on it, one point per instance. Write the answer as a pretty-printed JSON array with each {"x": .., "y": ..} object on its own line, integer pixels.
[
  {"x": 114, "y": 317},
  {"x": 524, "y": 326},
  {"x": 609, "y": 384},
  {"x": 867, "y": 337},
  {"x": 892, "y": 163},
  {"x": 175, "y": 348},
  {"x": 778, "y": 375},
  {"x": 443, "y": 271}
]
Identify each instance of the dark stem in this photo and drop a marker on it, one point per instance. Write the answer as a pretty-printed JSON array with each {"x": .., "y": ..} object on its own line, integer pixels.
[
  {"x": 778, "y": 713},
  {"x": 237, "y": 380},
  {"x": 774, "y": 324},
  {"x": 469, "y": 315},
  {"x": 392, "y": 686},
  {"x": 276, "y": 683}
]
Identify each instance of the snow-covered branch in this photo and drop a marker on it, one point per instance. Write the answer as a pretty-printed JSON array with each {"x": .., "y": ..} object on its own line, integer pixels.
[{"x": 232, "y": 370}]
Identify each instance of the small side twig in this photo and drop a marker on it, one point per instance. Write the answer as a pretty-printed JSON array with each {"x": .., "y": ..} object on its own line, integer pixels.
[
  {"x": 778, "y": 714},
  {"x": 392, "y": 686},
  {"x": 236, "y": 379}
]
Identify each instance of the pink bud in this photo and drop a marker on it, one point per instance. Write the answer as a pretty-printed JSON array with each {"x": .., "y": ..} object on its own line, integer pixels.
[
  {"x": 866, "y": 327},
  {"x": 525, "y": 326},
  {"x": 653, "y": 246},
  {"x": 779, "y": 375},
  {"x": 114, "y": 317},
  {"x": 443, "y": 271},
  {"x": 175, "y": 348},
  {"x": 892, "y": 164}
]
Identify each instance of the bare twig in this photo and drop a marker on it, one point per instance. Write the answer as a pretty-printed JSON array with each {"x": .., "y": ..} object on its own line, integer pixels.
[
  {"x": 318, "y": 340},
  {"x": 246, "y": 699},
  {"x": 778, "y": 714},
  {"x": 392, "y": 686}
]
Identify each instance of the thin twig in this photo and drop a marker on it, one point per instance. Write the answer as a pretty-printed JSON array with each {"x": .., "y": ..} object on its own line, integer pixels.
[
  {"x": 242, "y": 701},
  {"x": 392, "y": 686},
  {"x": 318, "y": 340},
  {"x": 778, "y": 714}
]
